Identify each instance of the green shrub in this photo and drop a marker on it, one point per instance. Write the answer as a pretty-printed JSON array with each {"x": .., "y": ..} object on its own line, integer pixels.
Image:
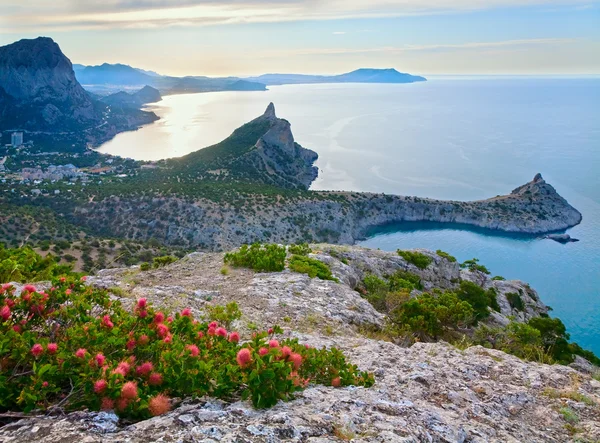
[
  {"x": 421, "y": 261},
  {"x": 498, "y": 278},
  {"x": 516, "y": 338},
  {"x": 445, "y": 255},
  {"x": 145, "y": 266},
  {"x": 159, "y": 262},
  {"x": 404, "y": 280},
  {"x": 224, "y": 315},
  {"x": 312, "y": 267},
  {"x": 261, "y": 258},
  {"x": 477, "y": 297},
  {"x": 24, "y": 265},
  {"x": 299, "y": 249},
  {"x": 515, "y": 301},
  {"x": 105, "y": 357},
  {"x": 473, "y": 265}
]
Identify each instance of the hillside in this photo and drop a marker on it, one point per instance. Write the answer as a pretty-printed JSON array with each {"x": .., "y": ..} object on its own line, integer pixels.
[{"x": 425, "y": 389}]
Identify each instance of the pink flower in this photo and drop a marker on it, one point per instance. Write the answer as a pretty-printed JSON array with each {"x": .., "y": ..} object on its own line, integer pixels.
[
  {"x": 52, "y": 348},
  {"x": 211, "y": 331},
  {"x": 234, "y": 337},
  {"x": 144, "y": 368},
  {"x": 29, "y": 288},
  {"x": 99, "y": 360},
  {"x": 107, "y": 322},
  {"x": 194, "y": 351},
  {"x": 6, "y": 287},
  {"x": 5, "y": 312},
  {"x": 155, "y": 379},
  {"x": 159, "y": 317},
  {"x": 45, "y": 384},
  {"x": 100, "y": 386},
  {"x": 221, "y": 332},
  {"x": 130, "y": 345},
  {"x": 80, "y": 353},
  {"x": 273, "y": 344},
  {"x": 213, "y": 325},
  {"x": 200, "y": 334},
  {"x": 121, "y": 404},
  {"x": 297, "y": 360},
  {"x": 336, "y": 382},
  {"x": 141, "y": 303},
  {"x": 107, "y": 404},
  {"x": 307, "y": 346},
  {"x": 124, "y": 367},
  {"x": 168, "y": 339},
  {"x": 244, "y": 357},
  {"x": 62, "y": 279},
  {"x": 129, "y": 390},
  {"x": 68, "y": 292},
  {"x": 142, "y": 313},
  {"x": 162, "y": 330},
  {"x": 84, "y": 278},
  {"x": 17, "y": 329},
  {"x": 186, "y": 312},
  {"x": 170, "y": 319},
  {"x": 263, "y": 351},
  {"x": 270, "y": 331},
  {"x": 37, "y": 350},
  {"x": 159, "y": 405},
  {"x": 144, "y": 339},
  {"x": 286, "y": 351}
]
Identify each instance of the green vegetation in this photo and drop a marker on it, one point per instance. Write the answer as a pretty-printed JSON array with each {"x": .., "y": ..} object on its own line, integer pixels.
[
  {"x": 299, "y": 249},
  {"x": 382, "y": 294},
  {"x": 473, "y": 265},
  {"x": 478, "y": 298},
  {"x": 159, "y": 262},
  {"x": 498, "y": 278},
  {"x": 515, "y": 301},
  {"x": 106, "y": 357},
  {"x": 261, "y": 258},
  {"x": 24, "y": 265},
  {"x": 421, "y": 261},
  {"x": 310, "y": 266},
  {"x": 445, "y": 255}
]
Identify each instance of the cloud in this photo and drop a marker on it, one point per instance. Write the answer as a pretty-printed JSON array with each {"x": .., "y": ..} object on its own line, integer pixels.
[
  {"x": 524, "y": 43},
  {"x": 44, "y": 15},
  {"x": 339, "y": 33}
]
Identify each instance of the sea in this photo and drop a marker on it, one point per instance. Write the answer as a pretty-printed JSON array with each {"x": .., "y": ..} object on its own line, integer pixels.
[{"x": 459, "y": 138}]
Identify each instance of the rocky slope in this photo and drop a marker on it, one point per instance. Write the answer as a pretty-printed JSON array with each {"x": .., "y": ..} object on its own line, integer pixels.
[
  {"x": 147, "y": 94},
  {"x": 335, "y": 217},
  {"x": 430, "y": 392}
]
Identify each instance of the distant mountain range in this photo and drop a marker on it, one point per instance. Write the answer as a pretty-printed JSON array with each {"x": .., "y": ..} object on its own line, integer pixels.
[
  {"x": 106, "y": 78},
  {"x": 359, "y": 76}
]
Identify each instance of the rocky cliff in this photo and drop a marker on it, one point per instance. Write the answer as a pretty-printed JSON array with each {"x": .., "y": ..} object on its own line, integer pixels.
[
  {"x": 41, "y": 83},
  {"x": 429, "y": 392}
]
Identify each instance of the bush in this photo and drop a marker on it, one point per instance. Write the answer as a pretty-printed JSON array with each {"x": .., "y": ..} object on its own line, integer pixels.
[
  {"x": 261, "y": 258},
  {"x": 421, "y": 261},
  {"x": 312, "y": 267},
  {"x": 159, "y": 262},
  {"x": 75, "y": 347},
  {"x": 299, "y": 249},
  {"x": 24, "y": 265},
  {"x": 515, "y": 301},
  {"x": 516, "y": 338},
  {"x": 473, "y": 265},
  {"x": 445, "y": 255},
  {"x": 145, "y": 266},
  {"x": 498, "y": 278}
]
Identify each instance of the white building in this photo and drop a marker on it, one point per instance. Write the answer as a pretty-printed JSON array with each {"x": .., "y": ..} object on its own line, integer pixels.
[{"x": 16, "y": 139}]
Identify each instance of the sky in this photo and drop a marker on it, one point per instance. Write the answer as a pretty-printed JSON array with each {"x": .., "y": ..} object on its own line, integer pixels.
[{"x": 252, "y": 37}]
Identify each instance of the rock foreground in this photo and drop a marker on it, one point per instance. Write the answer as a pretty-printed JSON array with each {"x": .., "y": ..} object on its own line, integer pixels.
[{"x": 430, "y": 392}]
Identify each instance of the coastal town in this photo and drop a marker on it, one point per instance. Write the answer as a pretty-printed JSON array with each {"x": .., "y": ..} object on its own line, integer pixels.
[{"x": 26, "y": 170}]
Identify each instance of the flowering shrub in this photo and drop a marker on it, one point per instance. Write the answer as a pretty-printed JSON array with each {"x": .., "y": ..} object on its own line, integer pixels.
[{"x": 73, "y": 347}]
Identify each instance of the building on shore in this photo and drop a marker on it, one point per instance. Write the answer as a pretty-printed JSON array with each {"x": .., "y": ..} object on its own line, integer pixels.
[{"x": 16, "y": 139}]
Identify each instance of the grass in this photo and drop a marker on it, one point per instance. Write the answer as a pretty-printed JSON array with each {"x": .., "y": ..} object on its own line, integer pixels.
[
  {"x": 569, "y": 394},
  {"x": 569, "y": 415},
  {"x": 225, "y": 270}
]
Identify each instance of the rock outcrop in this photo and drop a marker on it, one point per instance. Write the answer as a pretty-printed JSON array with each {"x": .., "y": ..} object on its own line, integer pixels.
[
  {"x": 42, "y": 89},
  {"x": 147, "y": 94},
  {"x": 430, "y": 392}
]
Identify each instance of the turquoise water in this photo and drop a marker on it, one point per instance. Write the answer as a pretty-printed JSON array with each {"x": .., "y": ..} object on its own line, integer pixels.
[{"x": 451, "y": 138}]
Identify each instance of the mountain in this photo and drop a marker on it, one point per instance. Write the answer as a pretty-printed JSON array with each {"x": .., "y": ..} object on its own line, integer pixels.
[
  {"x": 39, "y": 92},
  {"x": 358, "y": 76},
  {"x": 147, "y": 94},
  {"x": 262, "y": 151},
  {"x": 39, "y": 89},
  {"x": 111, "y": 77},
  {"x": 117, "y": 74}
]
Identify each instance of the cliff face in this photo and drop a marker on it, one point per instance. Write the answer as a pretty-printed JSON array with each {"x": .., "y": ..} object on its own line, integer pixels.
[
  {"x": 278, "y": 156},
  {"x": 428, "y": 392},
  {"x": 41, "y": 83}
]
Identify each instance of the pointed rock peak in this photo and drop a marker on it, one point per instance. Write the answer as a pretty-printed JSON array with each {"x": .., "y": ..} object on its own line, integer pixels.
[
  {"x": 538, "y": 177},
  {"x": 270, "y": 112}
]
